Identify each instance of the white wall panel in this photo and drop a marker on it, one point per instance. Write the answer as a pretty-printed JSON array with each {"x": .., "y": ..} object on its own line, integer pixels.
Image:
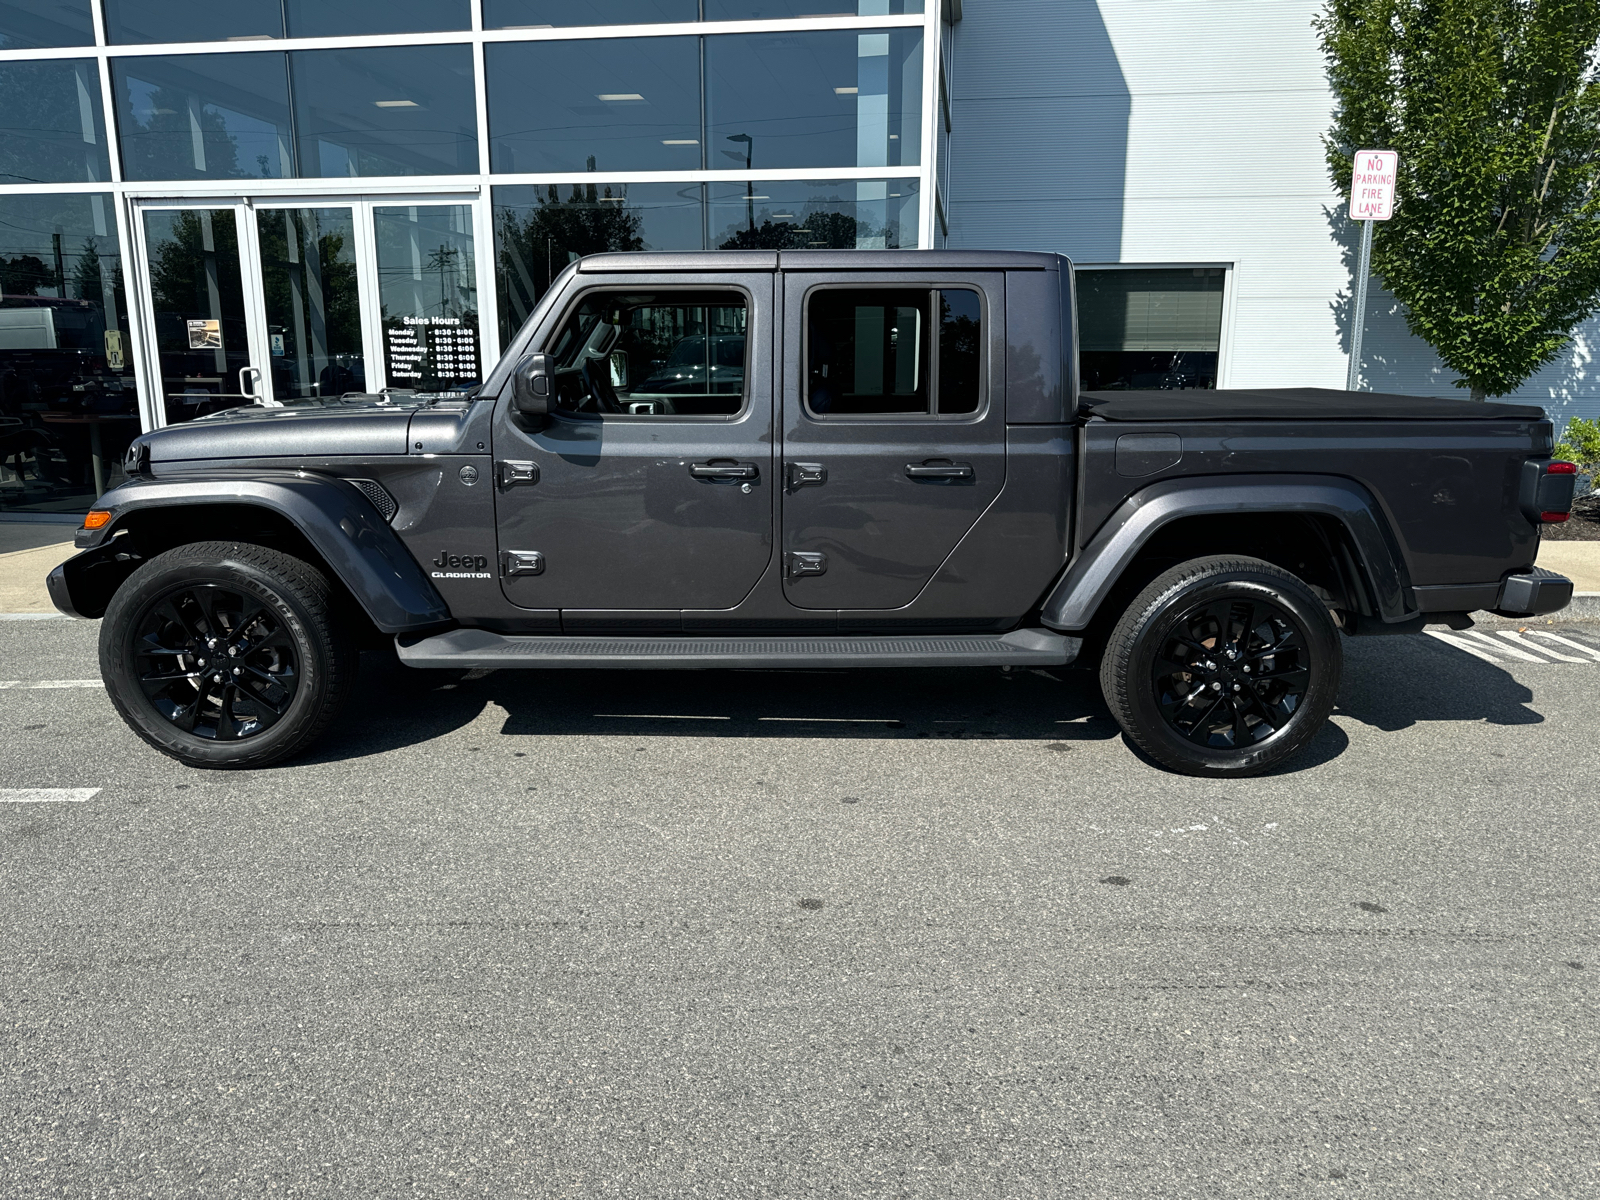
[{"x": 1172, "y": 131}]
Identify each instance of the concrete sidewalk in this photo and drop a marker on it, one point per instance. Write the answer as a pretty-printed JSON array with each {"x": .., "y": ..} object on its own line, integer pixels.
[{"x": 22, "y": 573}]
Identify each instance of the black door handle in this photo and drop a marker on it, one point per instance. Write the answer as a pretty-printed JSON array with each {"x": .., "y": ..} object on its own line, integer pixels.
[
  {"x": 724, "y": 470},
  {"x": 939, "y": 468}
]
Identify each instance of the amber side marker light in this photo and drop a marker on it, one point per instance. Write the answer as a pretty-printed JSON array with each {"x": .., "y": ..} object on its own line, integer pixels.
[{"x": 96, "y": 519}]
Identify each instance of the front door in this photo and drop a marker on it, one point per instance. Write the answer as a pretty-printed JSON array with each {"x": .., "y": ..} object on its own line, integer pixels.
[
  {"x": 649, "y": 486},
  {"x": 894, "y": 429},
  {"x": 282, "y": 301}
]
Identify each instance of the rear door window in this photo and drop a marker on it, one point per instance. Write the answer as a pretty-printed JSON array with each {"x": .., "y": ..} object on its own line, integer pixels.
[{"x": 911, "y": 352}]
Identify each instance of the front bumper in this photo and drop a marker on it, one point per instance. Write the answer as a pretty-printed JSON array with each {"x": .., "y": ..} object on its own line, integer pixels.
[
  {"x": 1533, "y": 593},
  {"x": 60, "y": 595}
]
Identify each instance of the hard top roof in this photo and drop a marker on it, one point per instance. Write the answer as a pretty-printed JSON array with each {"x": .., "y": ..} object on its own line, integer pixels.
[{"x": 821, "y": 260}]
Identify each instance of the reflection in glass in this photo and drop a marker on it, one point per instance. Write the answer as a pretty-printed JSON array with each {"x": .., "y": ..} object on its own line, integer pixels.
[
  {"x": 665, "y": 354},
  {"x": 539, "y": 230},
  {"x": 344, "y": 18},
  {"x": 66, "y": 377},
  {"x": 867, "y": 351},
  {"x": 394, "y": 110},
  {"x": 428, "y": 289},
  {"x": 960, "y": 337},
  {"x": 611, "y": 104},
  {"x": 195, "y": 284},
  {"x": 758, "y": 10},
  {"x": 27, "y": 23},
  {"x": 1155, "y": 328},
  {"x": 543, "y": 14},
  {"x": 308, "y": 276},
  {"x": 833, "y": 98},
  {"x": 51, "y": 127},
  {"x": 204, "y": 116},
  {"x": 146, "y": 21},
  {"x": 861, "y": 214}
]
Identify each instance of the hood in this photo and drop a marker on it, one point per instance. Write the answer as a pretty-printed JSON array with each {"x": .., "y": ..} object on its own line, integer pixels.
[{"x": 318, "y": 429}]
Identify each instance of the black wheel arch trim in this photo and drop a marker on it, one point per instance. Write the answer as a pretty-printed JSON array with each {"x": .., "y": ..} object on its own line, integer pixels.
[
  {"x": 1075, "y": 598},
  {"x": 340, "y": 523}
]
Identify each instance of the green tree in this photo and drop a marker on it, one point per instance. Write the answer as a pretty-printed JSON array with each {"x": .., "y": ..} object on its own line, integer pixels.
[
  {"x": 537, "y": 242},
  {"x": 1494, "y": 107}
]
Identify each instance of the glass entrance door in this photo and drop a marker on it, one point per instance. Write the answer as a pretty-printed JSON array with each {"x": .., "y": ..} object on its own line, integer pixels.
[
  {"x": 280, "y": 301},
  {"x": 196, "y": 311}
]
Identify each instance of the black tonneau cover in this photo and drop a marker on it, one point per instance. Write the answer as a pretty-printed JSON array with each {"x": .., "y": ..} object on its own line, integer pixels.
[{"x": 1293, "y": 404}]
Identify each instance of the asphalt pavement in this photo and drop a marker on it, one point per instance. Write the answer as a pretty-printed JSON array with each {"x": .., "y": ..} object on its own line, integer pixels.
[{"x": 750, "y": 934}]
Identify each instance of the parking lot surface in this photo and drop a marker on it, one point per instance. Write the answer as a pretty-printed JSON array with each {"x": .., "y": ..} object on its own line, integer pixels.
[{"x": 918, "y": 933}]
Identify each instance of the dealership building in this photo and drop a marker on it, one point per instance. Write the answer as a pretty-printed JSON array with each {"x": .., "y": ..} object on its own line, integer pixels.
[{"x": 202, "y": 205}]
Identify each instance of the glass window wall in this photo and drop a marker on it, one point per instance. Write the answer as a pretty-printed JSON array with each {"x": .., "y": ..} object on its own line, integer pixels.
[
  {"x": 345, "y": 18},
  {"x": 395, "y": 110},
  {"x": 67, "y": 397},
  {"x": 864, "y": 214},
  {"x": 833, "y": 98},
  {"x": 549, "y": 14},
  {"x": 398, "y": 110},
  {"x": 539, "y": 230},
  {"x": 204, "y": 116},
  {"x": 611, "y": 104},
  {"x": 29, "y": 23},
  {"x": 51, "y": 126},
  {"x": 1149, "y": 328},
  {"x": 772, "y": 10},
  {"x": 142, "y": 22}
]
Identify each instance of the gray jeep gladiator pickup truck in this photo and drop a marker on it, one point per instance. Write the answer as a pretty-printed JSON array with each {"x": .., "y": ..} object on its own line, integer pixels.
[{"x": 808, "y": 459}]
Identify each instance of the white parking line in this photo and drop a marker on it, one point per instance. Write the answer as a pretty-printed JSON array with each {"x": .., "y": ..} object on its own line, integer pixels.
[
  {"x": 47, "y": 795},
  {"x": 1555, "y": 637},
  {"x": 33, "y": 616},
  {"x": 1516, "y": 636},
  {"x": 49, "y": 683},
  {"x": 1514, "y": 645}
]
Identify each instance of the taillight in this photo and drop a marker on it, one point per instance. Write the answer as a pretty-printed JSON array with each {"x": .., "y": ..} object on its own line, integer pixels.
[
  {"x": 1553, "y": 518},
  {"x": 1561, "y": 468}
]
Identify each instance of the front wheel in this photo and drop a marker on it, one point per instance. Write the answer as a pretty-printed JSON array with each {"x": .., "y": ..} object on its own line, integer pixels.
[
  {"x": 1222, "y": 667},
  {"x": 226, "y": 654}
]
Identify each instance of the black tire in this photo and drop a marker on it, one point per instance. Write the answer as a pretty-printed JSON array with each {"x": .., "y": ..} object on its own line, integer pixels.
[
  {"x": 1223, "y": 666},
  {"x": 283, "y": 664}
]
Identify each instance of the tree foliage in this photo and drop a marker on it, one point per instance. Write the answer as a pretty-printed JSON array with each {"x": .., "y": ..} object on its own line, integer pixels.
[{"x": 1494, "y": 107}]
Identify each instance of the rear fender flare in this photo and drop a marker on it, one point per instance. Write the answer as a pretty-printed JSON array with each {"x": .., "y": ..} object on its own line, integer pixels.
[
  {"x": 1072, "y": 603},
  {"x": 338, "y": 521}
]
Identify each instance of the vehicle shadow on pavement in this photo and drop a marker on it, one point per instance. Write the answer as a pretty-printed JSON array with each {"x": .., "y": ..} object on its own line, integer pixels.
[
  {"x": 397, "y": 706},
  {"x": 1391, "y": 683}
]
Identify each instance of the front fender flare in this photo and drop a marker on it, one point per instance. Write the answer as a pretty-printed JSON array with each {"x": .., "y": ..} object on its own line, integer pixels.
[
  {"x": 1073, "y": 601},
  {"x": 338, "y": 521}
]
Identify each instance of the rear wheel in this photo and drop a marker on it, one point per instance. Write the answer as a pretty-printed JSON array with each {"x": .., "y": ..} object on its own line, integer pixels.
[
  {"x": 1222, "y": 666},
  {"x": 226, "y": 654}
]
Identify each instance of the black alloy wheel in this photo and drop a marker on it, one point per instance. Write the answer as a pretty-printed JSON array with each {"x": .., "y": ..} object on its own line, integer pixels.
[
  {"x": 216, "y": 663},
  {"x": 1231, "y": 673},
  {"x": 227, "y": 654},
  {"x": 1222, "y": 666}
]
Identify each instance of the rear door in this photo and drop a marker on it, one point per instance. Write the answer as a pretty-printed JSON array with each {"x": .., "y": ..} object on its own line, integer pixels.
[
  {"x": 893, "y": 429},
  {"x": 649, "y": 486}
]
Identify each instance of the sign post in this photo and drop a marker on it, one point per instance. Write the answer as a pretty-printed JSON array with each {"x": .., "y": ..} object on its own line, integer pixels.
[{"x": 1371, "y": 199}]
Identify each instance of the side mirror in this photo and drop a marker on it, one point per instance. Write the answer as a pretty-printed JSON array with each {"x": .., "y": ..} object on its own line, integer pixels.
[{"x": 530, "y": 385}]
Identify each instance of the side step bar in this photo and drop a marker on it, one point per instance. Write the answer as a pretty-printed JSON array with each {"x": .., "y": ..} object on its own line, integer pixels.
[{"x": 482, "y": 649}]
